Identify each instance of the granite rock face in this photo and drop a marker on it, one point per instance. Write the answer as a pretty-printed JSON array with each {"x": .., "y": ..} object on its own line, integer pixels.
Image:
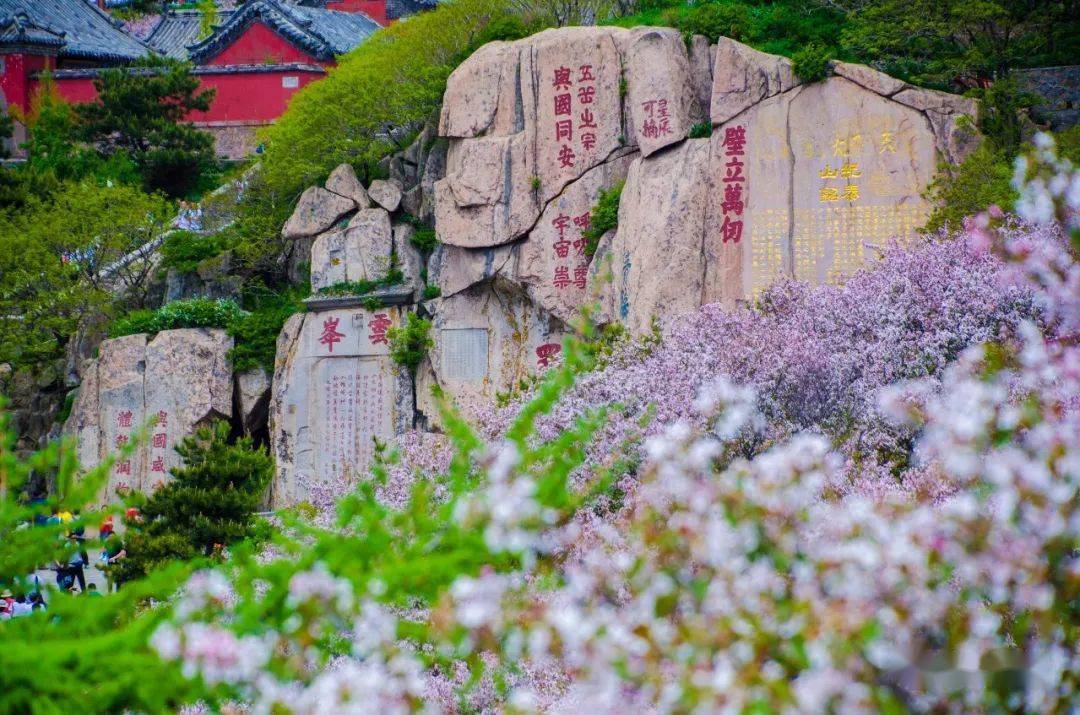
[
  {"x": 527, "y": 118},
  {"x": 797, "y": 180},
  {"x": 487, "y": 338},
  {"x": 553, "y": 263},
  {"x": 177, "y": 381}
]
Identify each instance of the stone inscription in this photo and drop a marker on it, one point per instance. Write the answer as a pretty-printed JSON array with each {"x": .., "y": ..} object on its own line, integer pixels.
[
  {"x": 571, "y": 121},
  {"x": 464, "y": 353},
  {"x": 354, "y": 401}
]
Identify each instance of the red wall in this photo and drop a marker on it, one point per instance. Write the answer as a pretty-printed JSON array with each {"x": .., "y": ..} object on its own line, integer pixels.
[
  {"x": 260, "y": 45},
  {"x": 375, "y": 9},
  {"x": 251, "y": 97},
  {"x": 242, "y": 97},
  {"x": 16, "y": 83}
]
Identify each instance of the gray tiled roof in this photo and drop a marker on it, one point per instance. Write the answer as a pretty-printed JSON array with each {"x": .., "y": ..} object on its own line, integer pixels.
[
  {"x": 178, "y": 30},
  {"x": 323, "y": 33},
  {"x": 87, "y": 31},
  {"x": 398, "y": 9}
]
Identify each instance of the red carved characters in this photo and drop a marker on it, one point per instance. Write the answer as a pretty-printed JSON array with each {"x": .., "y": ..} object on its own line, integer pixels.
[
  {"x": 330, "y": 334},
  {"x": 562, "y": 248},
  {"x": 378, "y": 325},
  {"x": 734, "y": 202},
  {"x": 563, "y": 106},
  {"x": 123, "y": 419},
  {"x": 546, "y": 352},
  {"x": 657, "y": 120}
]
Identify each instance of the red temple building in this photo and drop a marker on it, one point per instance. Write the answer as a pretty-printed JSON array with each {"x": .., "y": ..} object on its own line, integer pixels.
[{"x": 258, "y": 55}]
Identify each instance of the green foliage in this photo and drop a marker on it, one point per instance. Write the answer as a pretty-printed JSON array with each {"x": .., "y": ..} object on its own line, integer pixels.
[
  {"x": 54, "y": 153},
  {"x": 811, "y": 63},
  {"x": 410, "y": 342},
  {"x": 425, "y": 239},
  {"x": 782, "y": 27},
  {"x": 53, "y": 259},
  {"x": 81, "y": 654},
  {"x": 255, "y": 236},
  {"x": 208, "y": 17},
  {"x": 534, "y": 183},
  {"x": 140, "y": 111},
  {"x": 431, "y": 291},
  {"x": 603, "y": 217},
  {"x": 999, "y": 114},
  {"x": 185, "y": 250},
  {"x": 981, "y": 180},
  {"x": 193, "y": 313},
  {"x": 370, "y": 302},
  {"x": 941, "y": 42},
  {"x": 255, "y": 332},
  {"x": 209, "y": 504},
  {"x": 393, "y": 277},
  {"x": 393, "y": 81},
  {"x": 701, "y": 130}
]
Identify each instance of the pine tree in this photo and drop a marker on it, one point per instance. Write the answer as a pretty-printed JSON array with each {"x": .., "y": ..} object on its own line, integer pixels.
[
  {"x": 142, "y": 110},
  {"x": 210, "y": 503}
]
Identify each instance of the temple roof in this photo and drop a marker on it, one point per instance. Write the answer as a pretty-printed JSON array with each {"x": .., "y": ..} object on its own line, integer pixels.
[
  {"x": 398, "y": 9},
  {"x": 322, "y": 33},
  {"x": 179, "y": 29},
  {"x": 72, "y": 28}
]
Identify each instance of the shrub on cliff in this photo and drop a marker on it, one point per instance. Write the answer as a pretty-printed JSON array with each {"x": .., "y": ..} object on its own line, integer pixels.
[{"x": 193, "y": 313}]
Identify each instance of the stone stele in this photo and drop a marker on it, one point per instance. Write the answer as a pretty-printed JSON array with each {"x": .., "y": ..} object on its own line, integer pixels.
[{"x": 335, "y": 392}]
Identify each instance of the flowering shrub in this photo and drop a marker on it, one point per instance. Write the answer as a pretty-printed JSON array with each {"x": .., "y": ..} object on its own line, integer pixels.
[
  {"x": 738, "y": 574},
  {"x": 815, "y": 356}
]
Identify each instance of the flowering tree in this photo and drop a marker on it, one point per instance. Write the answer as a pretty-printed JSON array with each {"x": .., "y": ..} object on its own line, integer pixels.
[{"x": 735, "y": 574}]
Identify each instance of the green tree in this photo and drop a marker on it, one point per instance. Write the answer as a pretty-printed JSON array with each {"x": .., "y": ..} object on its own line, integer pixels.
[
  {"x": 960, "y": 42},
  {"x": 82, "y": 654},
  {"x": 141, "y": 111},
  {"x": 209, "y": 504},
  {"x": 60, "y": 262}
]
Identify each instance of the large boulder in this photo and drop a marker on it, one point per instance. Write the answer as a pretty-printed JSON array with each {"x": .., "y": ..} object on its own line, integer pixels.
[
  {"x": 317, "y": 210},
  {"x": 655, "y": 257},
  {"x": 386, "y": 193},
  {"x": 335, "y": 392},
  {"x": 660, "y": 90},
  {"x": 170, "y": 384},
  {"x": 343, "y": 182},
  {"x": 359, "y": 252},
  {"x": 527, "y": 118},
  {"x": 454, "y": 269},
  {"x": 743, "y": 76}
]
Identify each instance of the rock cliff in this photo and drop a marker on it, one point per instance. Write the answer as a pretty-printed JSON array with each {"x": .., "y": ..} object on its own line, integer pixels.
[{"x": 734, "y": 173}]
